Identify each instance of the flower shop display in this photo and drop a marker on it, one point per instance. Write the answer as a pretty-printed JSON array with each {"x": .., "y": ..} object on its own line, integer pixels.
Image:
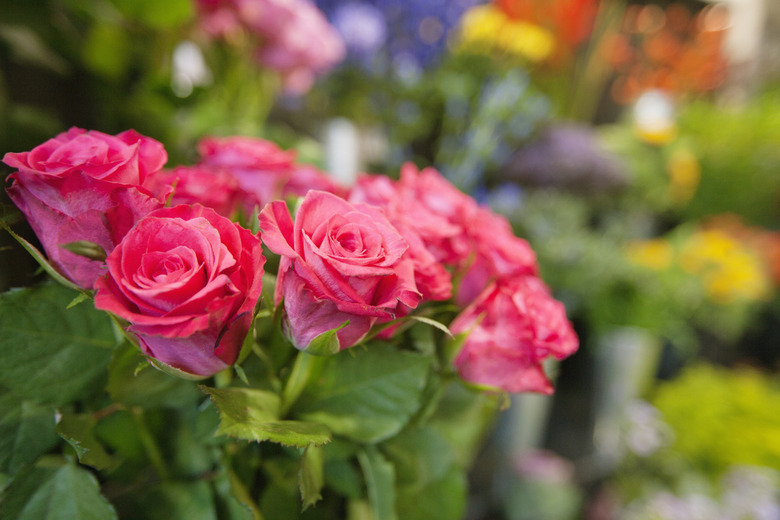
[{"x": 208, "y": 380}]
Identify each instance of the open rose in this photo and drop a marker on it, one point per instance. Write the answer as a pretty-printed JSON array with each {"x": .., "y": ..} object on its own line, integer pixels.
[
  {"x": 84, "y": 186},
  {"x": 340, "y": 262},
  {"x": 513, "y": 326},
  {"x": 187, "y": 280}
]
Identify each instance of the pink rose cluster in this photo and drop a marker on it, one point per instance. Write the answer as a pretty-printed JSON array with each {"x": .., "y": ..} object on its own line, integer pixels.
[
  {"x": 293, "y": 36},
  {"x": 187, "y": 279}
]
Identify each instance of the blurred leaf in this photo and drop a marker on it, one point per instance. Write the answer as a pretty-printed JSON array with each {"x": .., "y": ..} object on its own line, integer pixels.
[
  {"x": 50, "y": 354},
  {"x": 379, "y": 475},
  {"x": 442, "y": 499},
  {"x": 462, "y": 418},
  {"x": 78, "y": 430},
  {"x": 170, "y": 501},
  {"x": 107, "y": 51},
  {"x": 310, "y": 476},
  {"x": 26, "y": 432},
  {"x": 421, "y": 456},
  {"x": 159, "y": 14},
  {"x": 56, "y": 491},
  {"x": 27, "y": 47},
  {"x": 366, "y": 394},
  {"x": 253, "y": 415}
]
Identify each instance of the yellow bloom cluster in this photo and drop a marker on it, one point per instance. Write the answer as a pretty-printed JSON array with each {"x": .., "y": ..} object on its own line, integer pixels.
[
  {"x": 723, "y": 417},
  {"x": 729, "y": 271},
  {"x": 486, "y": 28}
]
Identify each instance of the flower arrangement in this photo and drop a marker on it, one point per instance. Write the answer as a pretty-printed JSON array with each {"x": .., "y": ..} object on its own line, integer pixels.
[{"x": 241, "y": 279}]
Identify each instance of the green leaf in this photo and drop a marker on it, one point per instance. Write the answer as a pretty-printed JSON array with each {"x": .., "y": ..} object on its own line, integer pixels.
[
  {"x": 80, "y": 298},
  {"x": 78, "y": 430},
  {"x": 421, "y": 456},
  {"x": 59, "y": 491},
  {"x": 433, "y": 323},
  {"x": 310, "y": 476},
  {"x": 41, "y": 259},
  {"x": 463, "y": 417},
  {"x": 26, "y": 432},
  {"x": 379, "y": 475},
  {"x": 252, "y": 414},
  {"x": 327, "y": 343},
  {"x": 365, "y": 394},
  {"x": 443, "y": 499},
  {"x": 50, "y": 354}
]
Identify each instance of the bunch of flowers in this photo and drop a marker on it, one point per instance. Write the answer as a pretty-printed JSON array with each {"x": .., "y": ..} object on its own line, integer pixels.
[
  {"x": 412, "y": 276},
  {"x": 291, "y": 37}
]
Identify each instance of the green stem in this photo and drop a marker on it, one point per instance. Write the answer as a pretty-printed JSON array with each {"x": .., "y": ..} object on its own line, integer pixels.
[
  {"x": 305, "y": 364},
  {"x": 150, "y": 446}
]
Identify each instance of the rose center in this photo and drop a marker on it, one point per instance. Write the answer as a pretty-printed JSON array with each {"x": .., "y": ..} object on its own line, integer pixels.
[{"x": 168, "y": 268}]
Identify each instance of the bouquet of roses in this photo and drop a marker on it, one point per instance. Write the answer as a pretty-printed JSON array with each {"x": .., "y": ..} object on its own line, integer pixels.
[{"x": 251, "y": 409}]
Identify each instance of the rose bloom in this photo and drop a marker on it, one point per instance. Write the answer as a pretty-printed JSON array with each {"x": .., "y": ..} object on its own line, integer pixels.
[
  {"x": 211, "y": 187},
  {"x": 438, "y": 212},
  {"x": 84, "y": 186},
  {"x": 260, "y": 167},
  {"x": 293, "y": 36},
  {"x": 498, "y": 253},
  {"x": 513, "y": 326},
  {"x": 187, "y": 280},
  {"x": 432, "y": 279},
  {"x": 339, "y": 262}
]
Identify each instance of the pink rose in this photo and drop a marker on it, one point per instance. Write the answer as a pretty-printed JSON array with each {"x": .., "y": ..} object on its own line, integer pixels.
[
  {"x": 211, "y": 187},
  {"x": 432, "y": 279},
  {"x": 187, "y": 280},
  {"x": 513, "y": 326},
  {"x": 84, "y": 185},
  {"x": 260, "y": 167},
  {"x": 297, "y": 40},
  {"x": 340, "y": 262},
  {"x": 438, "y": 212},
  {"x": 498, "y": 253}
]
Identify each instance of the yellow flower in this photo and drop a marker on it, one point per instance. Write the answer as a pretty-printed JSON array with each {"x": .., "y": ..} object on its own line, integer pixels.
[
  {"x": 487, "y": 28},
  {"x": 730, "y": 271},
  {"x": 654, "y": 254}
]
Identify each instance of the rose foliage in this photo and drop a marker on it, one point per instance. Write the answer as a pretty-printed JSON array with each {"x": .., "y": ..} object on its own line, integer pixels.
[{"x": 240, "y": 280}]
